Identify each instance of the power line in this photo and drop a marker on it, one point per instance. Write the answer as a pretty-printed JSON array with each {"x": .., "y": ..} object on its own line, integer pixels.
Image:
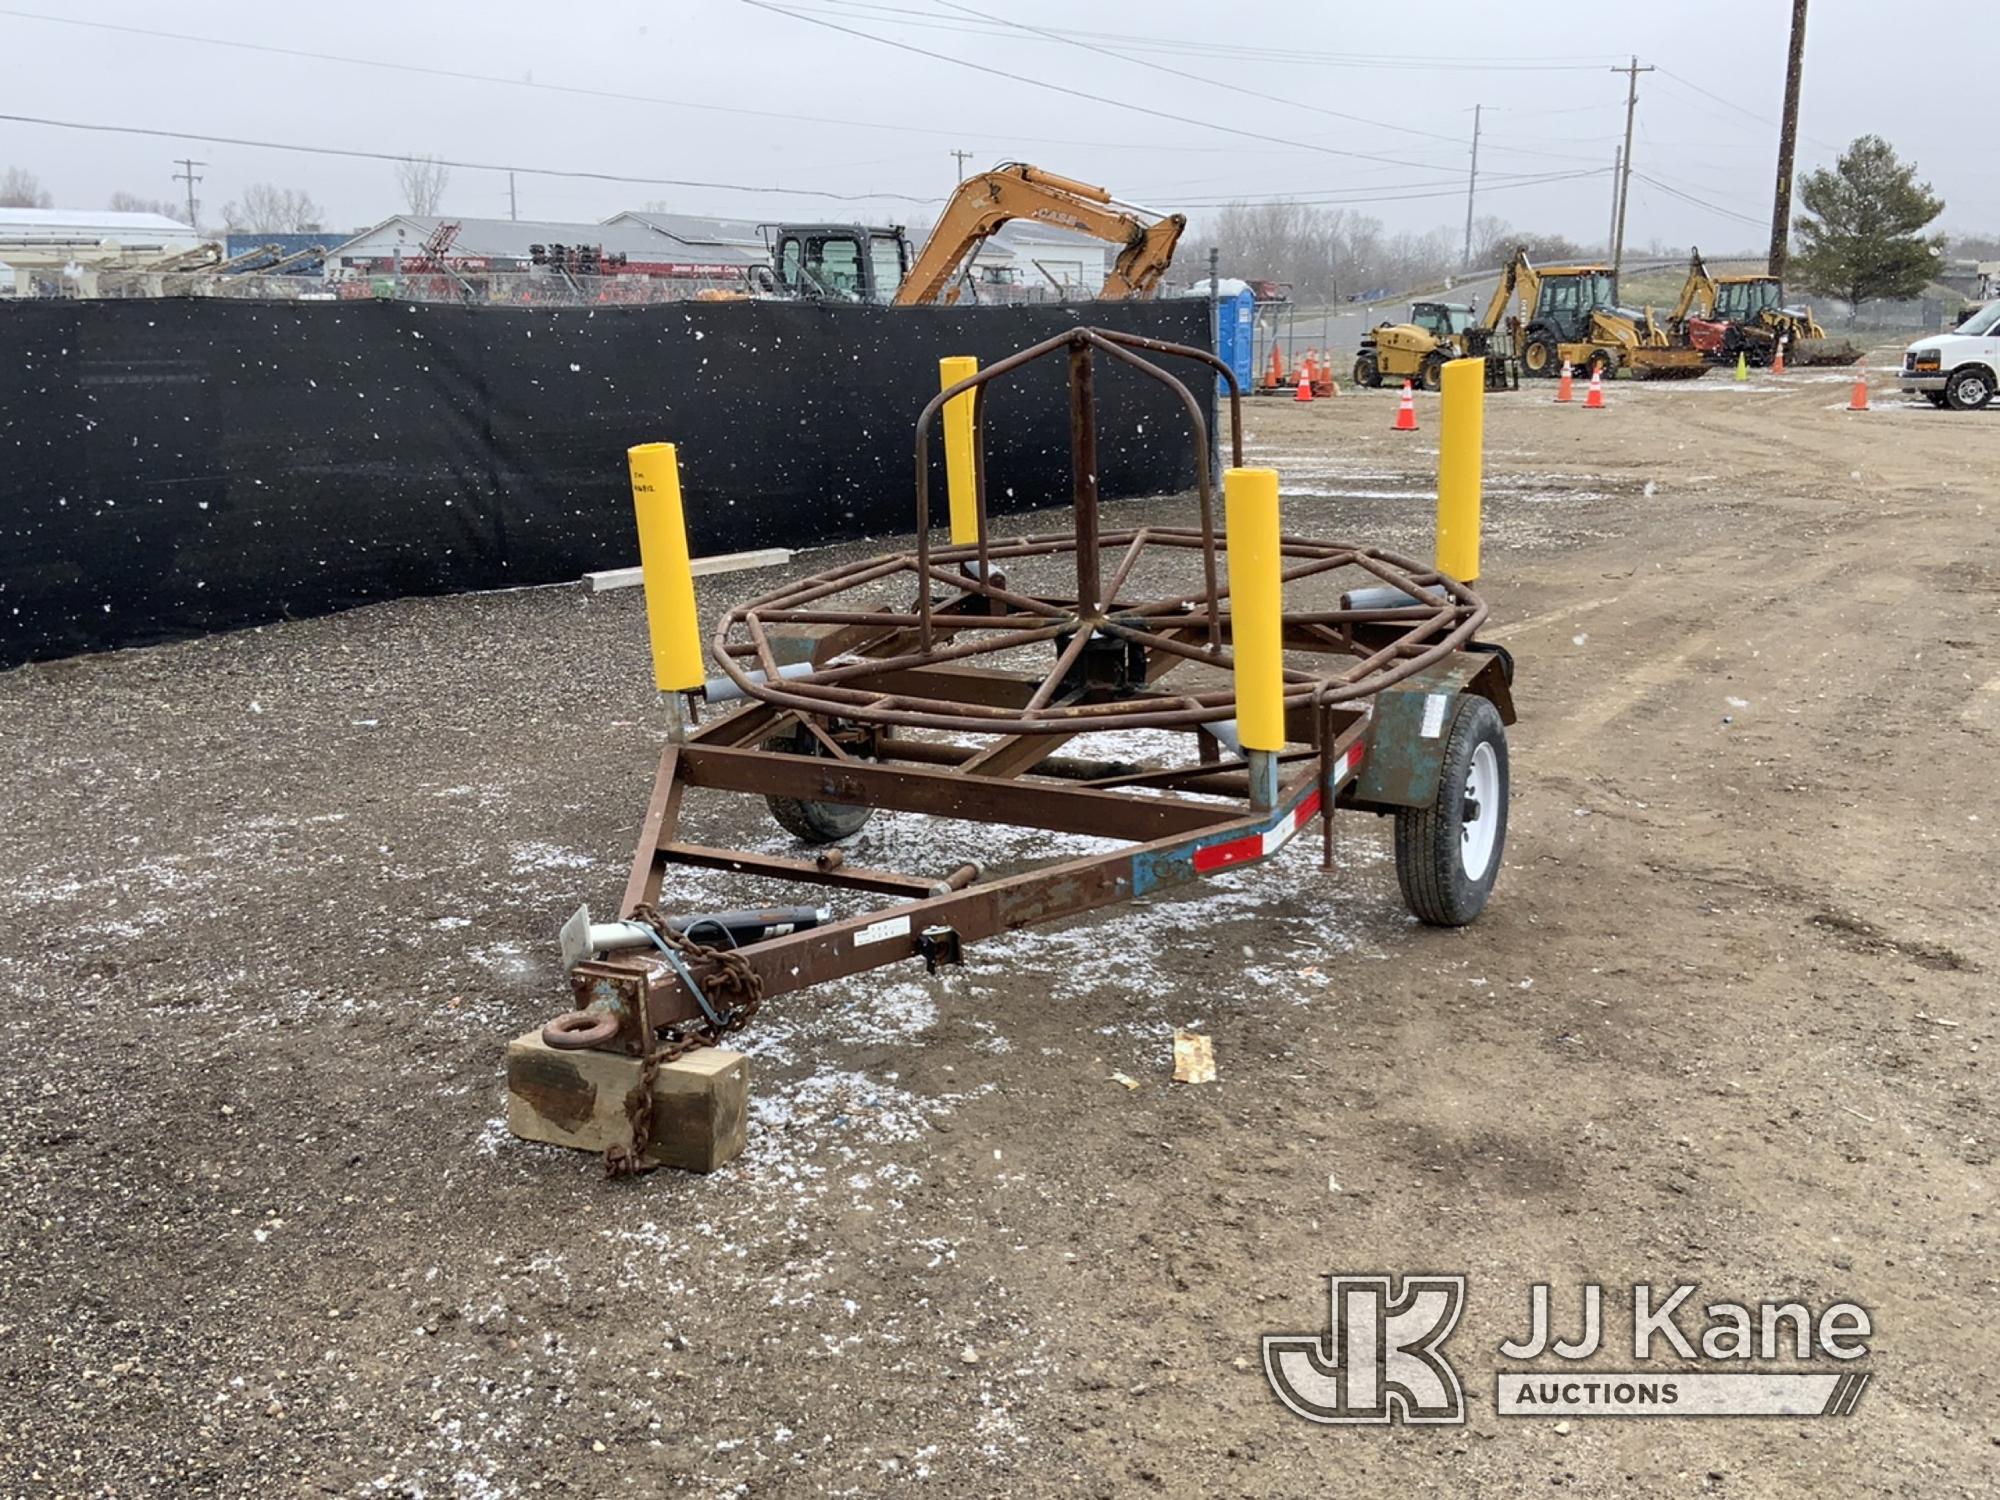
[
  {"x": 1389, "y": 195},
  {"x": 576, "y": 90},
  {"x": 1058, "y": 88},
  {"x": 1571, "y": 62},
  {"x": 1234, "y": 88},
  {"x": 1688, "y": 83},
  {"x": 1714, "y": 208},
  {"x": 470, "y": 166}
]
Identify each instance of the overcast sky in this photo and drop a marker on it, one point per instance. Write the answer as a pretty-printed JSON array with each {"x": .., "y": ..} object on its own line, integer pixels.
[{"x": 728, "y": 92}]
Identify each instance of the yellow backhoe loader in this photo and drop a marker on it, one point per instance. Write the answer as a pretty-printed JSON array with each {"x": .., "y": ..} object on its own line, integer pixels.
[
  {"x": 860, "y": 263},
  {"x": 1573, "y": 317},
  {"x": 1418, "y": 350},
  {"x": 1727, "y": 316}
]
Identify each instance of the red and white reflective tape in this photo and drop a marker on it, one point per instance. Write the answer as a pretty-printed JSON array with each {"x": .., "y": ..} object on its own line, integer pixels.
[{"x": 1262, "y": 845}]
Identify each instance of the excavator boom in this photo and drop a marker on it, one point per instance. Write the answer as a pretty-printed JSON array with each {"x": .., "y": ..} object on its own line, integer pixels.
[{"x": 1018, "y": 191}]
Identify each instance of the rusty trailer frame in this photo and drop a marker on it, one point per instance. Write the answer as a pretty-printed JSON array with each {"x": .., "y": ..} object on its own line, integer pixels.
[{"x": 832, "y": 688}]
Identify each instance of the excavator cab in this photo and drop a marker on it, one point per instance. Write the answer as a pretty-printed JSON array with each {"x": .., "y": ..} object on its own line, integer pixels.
[{"x": 840, "y": 262}]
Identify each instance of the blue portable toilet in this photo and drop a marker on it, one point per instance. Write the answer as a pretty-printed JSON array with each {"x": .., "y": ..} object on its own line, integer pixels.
[{"x": 1236, "y": 329}]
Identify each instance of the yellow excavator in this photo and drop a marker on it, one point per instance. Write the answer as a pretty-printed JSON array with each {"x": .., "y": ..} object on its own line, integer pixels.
[
  {"x": 861, "y": 263},
  {"x": 1744, "y": 315},
  {"x": 1573, "y": 316}
]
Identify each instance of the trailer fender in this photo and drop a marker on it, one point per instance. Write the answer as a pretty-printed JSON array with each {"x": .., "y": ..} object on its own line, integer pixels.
[{"x": 1411, "y": 724}]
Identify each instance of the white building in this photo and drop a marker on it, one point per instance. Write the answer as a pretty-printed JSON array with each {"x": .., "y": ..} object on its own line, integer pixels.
[{"x": 67, "y": 247}]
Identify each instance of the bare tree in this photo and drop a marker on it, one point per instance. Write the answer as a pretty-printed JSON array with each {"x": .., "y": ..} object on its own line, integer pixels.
[
  {"x": 23, "y": 189},
  {"x": 269, "y": 209},
  {"x": 131, "y": 203},
  {"x": 423, "y": 180}
]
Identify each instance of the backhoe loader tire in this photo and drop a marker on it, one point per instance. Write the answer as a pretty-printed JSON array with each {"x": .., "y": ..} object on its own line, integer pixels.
[
  {"x": 1431, "y": 374},
  {"x": 1602, "y": 364},
  {"x": 1366, "y": 373},
  {"x": 1541, "y": 359}
]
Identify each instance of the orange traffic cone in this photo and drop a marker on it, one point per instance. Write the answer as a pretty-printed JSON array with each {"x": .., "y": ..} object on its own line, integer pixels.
[
  {"x": 1305, "y": 390},
  {"x": 1778, "y": 359},
  {"x": 1277, "y": 370},
  {"x": 1406, "y": 414},
  {"x": 1859, "y": 401},
  {"x": 1594, "y": 401},
  {"x": 1563, "y": 392}
]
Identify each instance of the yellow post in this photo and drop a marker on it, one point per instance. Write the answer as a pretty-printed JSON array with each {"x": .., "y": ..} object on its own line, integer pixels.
[
  {"x": 1256, "y": 606},
  {"x": 663, "y": 559},
  {"x": 1461, "y": 460},
  {"x": 958, "y": 449}
]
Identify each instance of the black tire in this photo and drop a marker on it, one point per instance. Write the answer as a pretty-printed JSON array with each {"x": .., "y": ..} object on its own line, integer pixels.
[
  {"x": 1969, "y": 389},
  {"x": 1600, "y": 364},
  {"x": 812, "y": 822},
  {"x": 1431, "y": 374},
  {"x": 1436, "y": 845},
  {"x": 1367, "y": 373},
  {"x": 1936, "y": 398},
  {"x": 1541, "y": 358}
]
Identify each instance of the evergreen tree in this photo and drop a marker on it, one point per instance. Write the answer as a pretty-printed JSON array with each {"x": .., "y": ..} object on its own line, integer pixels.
[{"x": 1861, "y": 235}]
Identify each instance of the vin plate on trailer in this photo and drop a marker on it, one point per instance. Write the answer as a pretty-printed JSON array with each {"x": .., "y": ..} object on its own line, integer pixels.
[{"x": 882, "y": 931}]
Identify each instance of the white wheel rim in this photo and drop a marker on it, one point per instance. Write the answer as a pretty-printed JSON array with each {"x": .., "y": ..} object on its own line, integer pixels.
[{"x": 1477, "y": 835}]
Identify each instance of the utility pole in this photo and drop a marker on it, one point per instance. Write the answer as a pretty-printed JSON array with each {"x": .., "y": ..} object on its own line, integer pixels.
[
  {"x": 1471, "y": 182},
  {"x": 1625, "y": 172},
  {"x": 1788, "y": 139},
  {"x": 962, "y": 157},
  {"x": 513, "y": 204},
  {"x": 1611, "y": 234},
  {"x": 188, "y": 175}
]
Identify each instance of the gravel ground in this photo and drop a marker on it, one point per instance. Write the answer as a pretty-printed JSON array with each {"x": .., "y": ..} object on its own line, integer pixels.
[{"x": 276, "y": 900}]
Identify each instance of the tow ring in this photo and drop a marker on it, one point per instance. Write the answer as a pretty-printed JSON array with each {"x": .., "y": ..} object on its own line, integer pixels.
[{"x": 580, "y": 1030}]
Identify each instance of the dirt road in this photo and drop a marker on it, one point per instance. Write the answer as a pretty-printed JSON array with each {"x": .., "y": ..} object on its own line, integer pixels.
[{"x": 275, "y": 901}]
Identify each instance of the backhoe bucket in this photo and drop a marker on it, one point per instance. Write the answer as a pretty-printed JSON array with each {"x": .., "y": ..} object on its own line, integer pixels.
[
  {"x": 1824, "y": 352},
  {"x": 1668, "y": 364}
]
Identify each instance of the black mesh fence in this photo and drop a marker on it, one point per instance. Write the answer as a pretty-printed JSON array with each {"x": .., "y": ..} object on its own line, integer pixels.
[{"x": 186, "y": 465}]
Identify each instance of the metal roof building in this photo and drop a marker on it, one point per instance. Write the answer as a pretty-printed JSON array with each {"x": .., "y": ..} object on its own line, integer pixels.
[{"x": 87, "y": 227}]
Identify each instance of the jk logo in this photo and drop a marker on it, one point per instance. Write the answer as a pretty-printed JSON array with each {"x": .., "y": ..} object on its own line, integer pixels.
[{"x": 1378, "y": 1361}]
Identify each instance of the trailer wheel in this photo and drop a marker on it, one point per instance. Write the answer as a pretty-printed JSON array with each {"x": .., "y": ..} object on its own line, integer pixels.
[
  {"x": 1448, "y": 854},
  {"x": 812, "y": 822}
]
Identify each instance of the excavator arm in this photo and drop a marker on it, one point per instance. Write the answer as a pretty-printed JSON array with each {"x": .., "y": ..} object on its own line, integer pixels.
[
  {"x": 1520, "y": 276},
  {"x": 1699, "y": 284},
  {"x": 1018, "y": 191}
]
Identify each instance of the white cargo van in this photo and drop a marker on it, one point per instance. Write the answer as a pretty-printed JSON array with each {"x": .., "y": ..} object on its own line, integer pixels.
[{"x": 1960, "y": 369}]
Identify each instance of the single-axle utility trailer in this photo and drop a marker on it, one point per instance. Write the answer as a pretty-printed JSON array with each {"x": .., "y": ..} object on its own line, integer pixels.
[{"x": 949, "y": 680}]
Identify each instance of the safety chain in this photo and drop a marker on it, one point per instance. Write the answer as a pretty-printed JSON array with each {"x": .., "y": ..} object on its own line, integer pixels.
[{"x": 730, "y": 994}]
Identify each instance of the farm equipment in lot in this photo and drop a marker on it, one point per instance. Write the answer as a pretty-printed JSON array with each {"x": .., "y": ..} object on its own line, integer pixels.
[
  {"x": 948, "y": 680},
  {"x": 1728, "y": 316},
  {"x": 1573, "y": 317},
  {"x": 1418, "y": 351}
]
